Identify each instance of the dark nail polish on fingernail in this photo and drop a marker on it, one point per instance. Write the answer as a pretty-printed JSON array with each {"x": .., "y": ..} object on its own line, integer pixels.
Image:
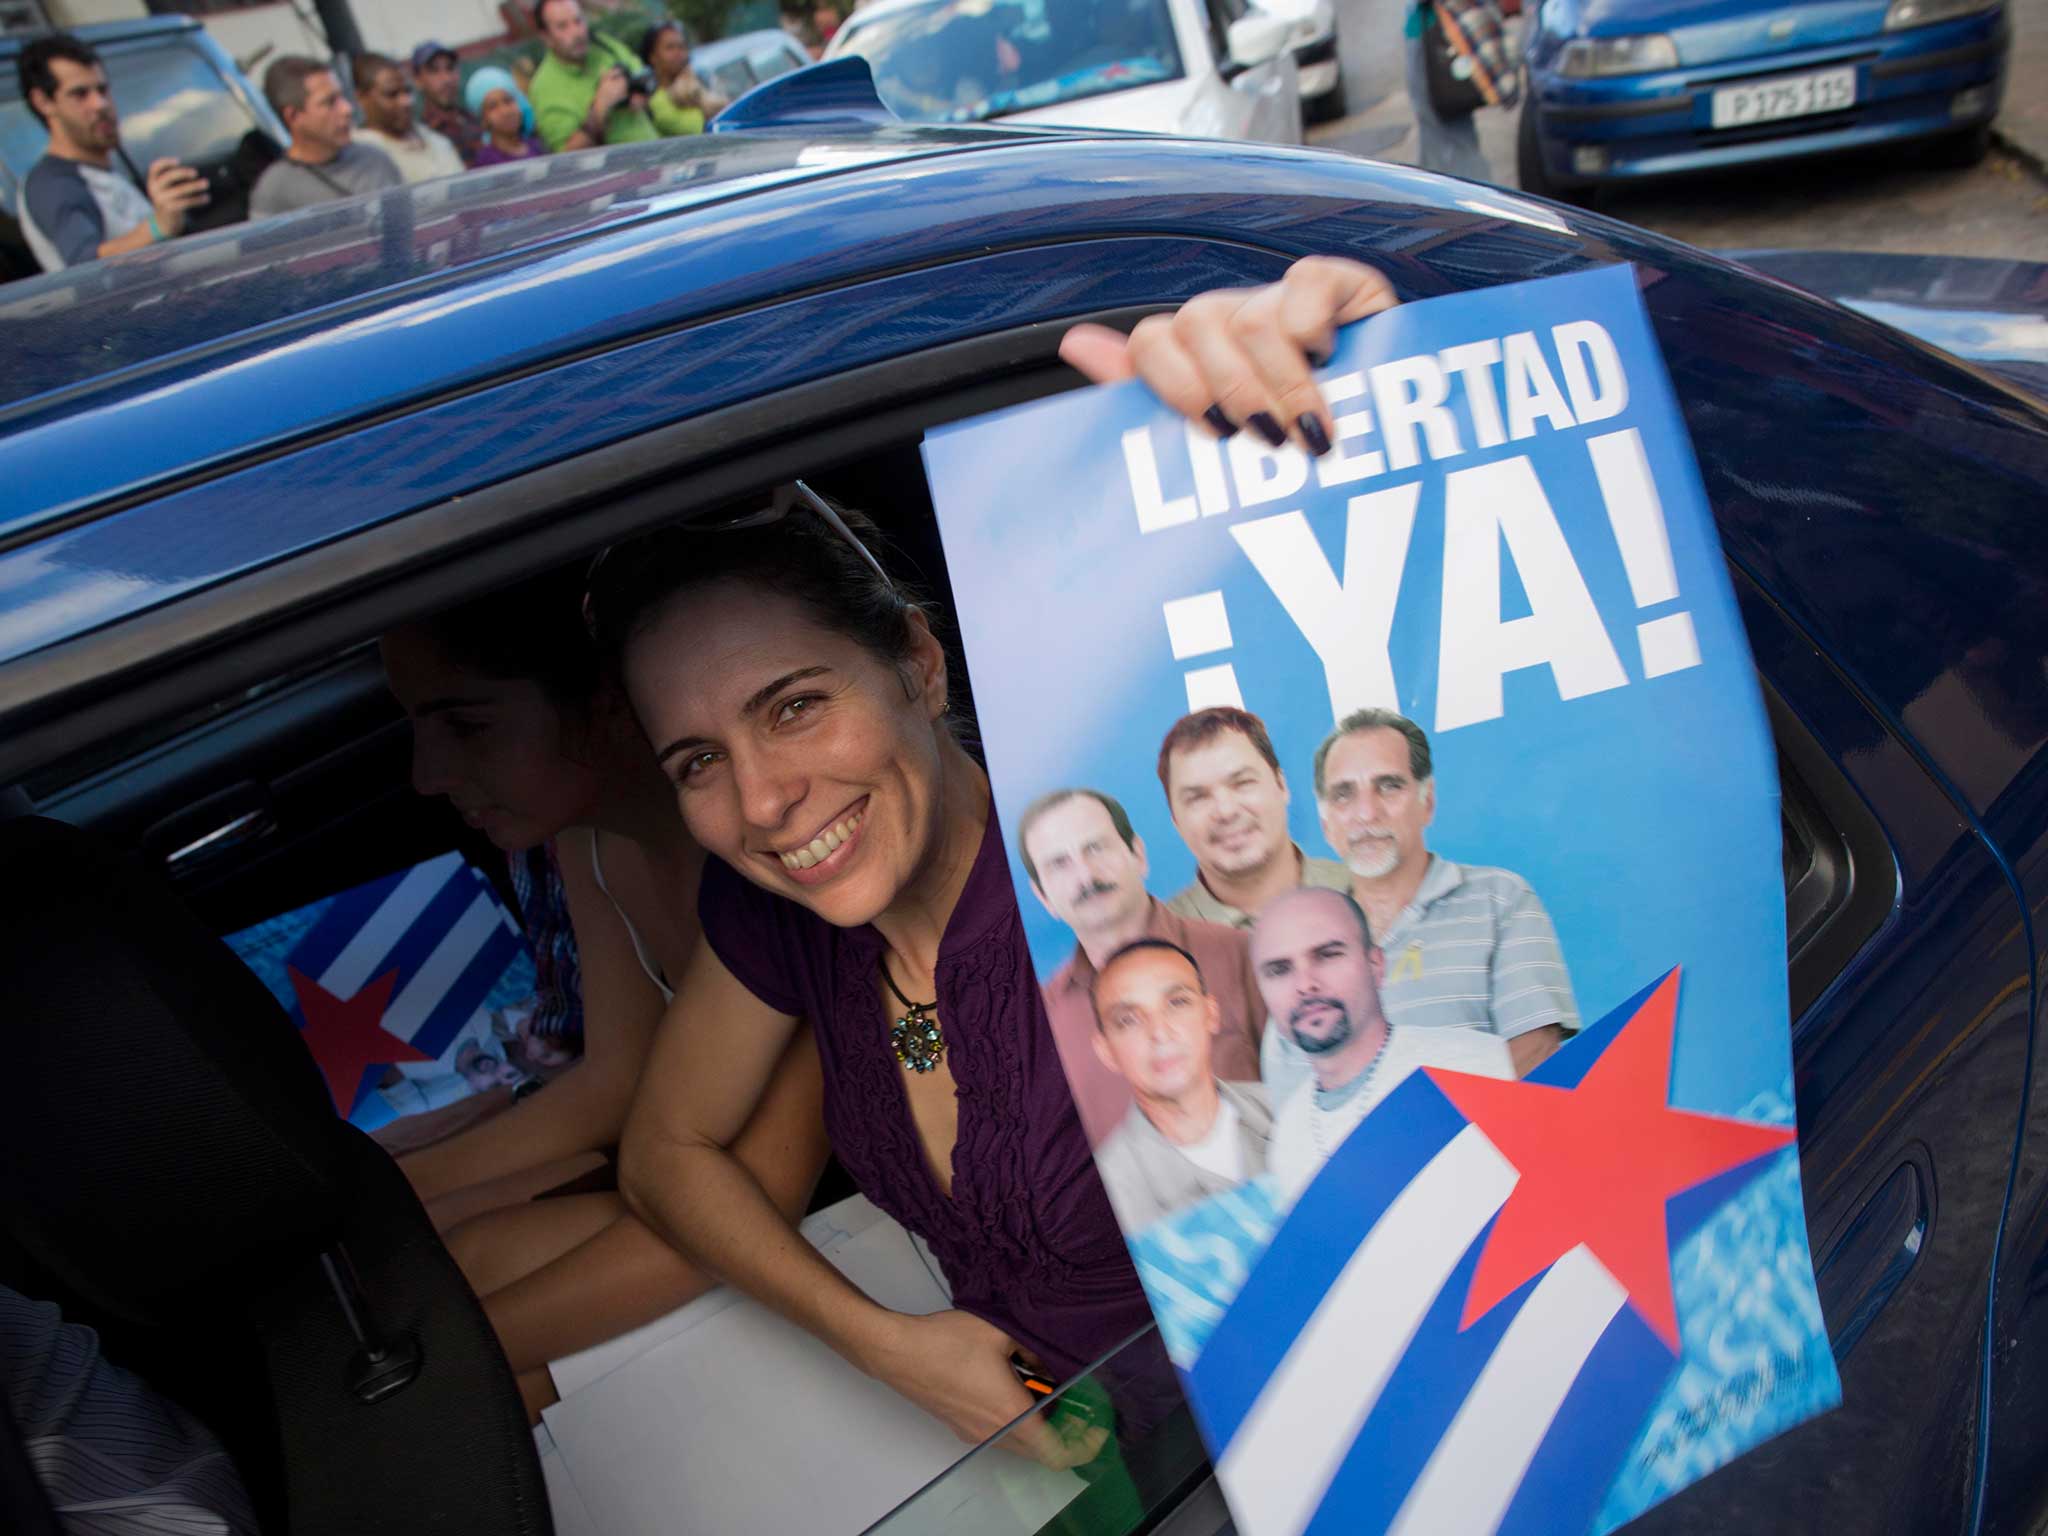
[
  {"x": 1268, "y": 428},
  {"x": 1312, "y": 433},
  {"x": 1224, "y": 426}
]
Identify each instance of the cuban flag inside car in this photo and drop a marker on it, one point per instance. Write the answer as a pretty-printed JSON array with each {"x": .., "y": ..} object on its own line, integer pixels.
[
  {"x": 1397, "y": 837},
  {"x": 406, "y": 989}
]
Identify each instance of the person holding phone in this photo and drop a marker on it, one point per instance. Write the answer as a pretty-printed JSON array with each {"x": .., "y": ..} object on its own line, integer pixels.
[{"x": 75, "y": 206}]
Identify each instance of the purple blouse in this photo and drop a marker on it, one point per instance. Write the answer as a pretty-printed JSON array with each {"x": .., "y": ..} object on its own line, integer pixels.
[{"x": 1028, "y": 1241}]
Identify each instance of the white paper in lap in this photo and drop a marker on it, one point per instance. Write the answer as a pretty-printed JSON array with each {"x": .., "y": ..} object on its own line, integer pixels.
[
  {"x": 740, "y": 1424},
  {"x": 828, "y": 1231}
]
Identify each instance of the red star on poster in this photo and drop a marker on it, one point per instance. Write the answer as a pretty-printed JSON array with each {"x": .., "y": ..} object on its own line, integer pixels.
[
  {"x": 348, "y": 1037},
  {"x": 1598, "y": 1163}
]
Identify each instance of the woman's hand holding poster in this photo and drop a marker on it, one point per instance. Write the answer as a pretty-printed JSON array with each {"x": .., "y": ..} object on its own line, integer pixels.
[{"x": 1398, "y": 838}]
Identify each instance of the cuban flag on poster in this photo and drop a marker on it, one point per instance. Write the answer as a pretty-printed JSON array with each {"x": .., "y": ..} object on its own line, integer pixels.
[
  {"x": 1551, "y": 1264},
  {"x": 408, "y": 989}
]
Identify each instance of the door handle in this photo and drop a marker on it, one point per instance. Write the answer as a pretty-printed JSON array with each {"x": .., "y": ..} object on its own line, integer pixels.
[{"x": 234, "y": 833}]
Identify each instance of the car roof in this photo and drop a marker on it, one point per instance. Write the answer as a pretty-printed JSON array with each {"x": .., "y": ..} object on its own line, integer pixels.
[{"x": 877, "y": 10}]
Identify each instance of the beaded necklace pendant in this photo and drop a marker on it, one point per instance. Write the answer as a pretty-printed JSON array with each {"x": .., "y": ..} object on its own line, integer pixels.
[
  {"x": 915, "y": 1036},
  {"x": 916, "y": 1039}
]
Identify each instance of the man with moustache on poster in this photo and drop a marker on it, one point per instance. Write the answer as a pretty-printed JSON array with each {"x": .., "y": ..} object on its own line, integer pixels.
[
  {"x": 1187, "y": 1135},
  {"x": 1465, "y": 946},
  {"x": 1087, "y": 866},
  {"x": 1319, "y": 974},
  {"x": 1228, "y": 799}
]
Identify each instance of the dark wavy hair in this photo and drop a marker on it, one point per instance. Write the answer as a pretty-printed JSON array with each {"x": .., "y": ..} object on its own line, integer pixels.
[
  {"x": 798, "y": 556},
  {"x": 653, "y": 35},
  {"x": 532, "y": 631},
  {"x": 33, "y": 70}
]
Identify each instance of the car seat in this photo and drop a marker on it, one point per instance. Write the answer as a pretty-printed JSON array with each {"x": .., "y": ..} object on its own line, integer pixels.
[{"x": 172, "y": 1172}]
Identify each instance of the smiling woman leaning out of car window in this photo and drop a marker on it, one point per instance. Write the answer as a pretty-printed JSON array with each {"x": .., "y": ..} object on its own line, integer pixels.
[
  {"x": 517, "y": 725},
  {"x": 797, "y": 699}
]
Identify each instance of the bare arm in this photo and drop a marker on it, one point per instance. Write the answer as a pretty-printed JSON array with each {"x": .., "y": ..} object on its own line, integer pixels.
[
  {"x": 679, "y": 1171},
  {"x": 1530, "y": 1050},
  {"x": 710, "y": 1068},
  {"x": 627, "y": 1275},
  {"x": 585, "y": 1108},
  {"x": 174, "y": 191}
]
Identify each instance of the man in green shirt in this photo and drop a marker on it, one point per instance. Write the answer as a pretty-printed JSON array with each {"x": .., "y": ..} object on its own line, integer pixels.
[{"x": 582, "y": 94}]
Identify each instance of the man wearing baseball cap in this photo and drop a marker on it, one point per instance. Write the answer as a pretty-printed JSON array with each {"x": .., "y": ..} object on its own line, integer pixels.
[{"x": 435, "y": 72}]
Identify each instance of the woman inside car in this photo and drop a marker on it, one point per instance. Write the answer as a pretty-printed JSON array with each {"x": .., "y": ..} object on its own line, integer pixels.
[
  {"x": 519, "y": 727},
  {"x": 797, "y": 701}
]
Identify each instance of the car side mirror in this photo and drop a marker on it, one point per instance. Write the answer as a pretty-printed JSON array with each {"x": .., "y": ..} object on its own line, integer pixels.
[{"x": 1255, "y": 38}]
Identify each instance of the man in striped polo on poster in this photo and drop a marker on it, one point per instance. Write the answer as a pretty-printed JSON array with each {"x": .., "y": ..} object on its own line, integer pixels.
[{"x": 1464, "y": 945}]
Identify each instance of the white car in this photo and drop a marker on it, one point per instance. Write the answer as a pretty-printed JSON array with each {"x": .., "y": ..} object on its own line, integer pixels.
[
  {"x": 1314, "y": 46},
  {"x": 1211, "y": 68}
]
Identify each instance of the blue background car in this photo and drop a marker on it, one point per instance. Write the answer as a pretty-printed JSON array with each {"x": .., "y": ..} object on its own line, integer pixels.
[
  {"x": 232, "y": 462},
  {"x": 1620, "y": 90}
]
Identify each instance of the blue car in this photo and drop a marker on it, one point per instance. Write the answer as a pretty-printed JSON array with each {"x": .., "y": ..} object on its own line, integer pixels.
[
  {"x": 1623, "y": 90},
  {"x": 233, "y": 460}
]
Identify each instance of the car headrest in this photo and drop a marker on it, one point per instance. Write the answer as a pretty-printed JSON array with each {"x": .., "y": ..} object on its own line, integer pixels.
[{"x": 164, "y": 1131}]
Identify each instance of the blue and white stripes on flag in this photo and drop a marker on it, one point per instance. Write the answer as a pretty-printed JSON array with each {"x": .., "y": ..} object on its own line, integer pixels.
[{"x": 455, "y": 949}]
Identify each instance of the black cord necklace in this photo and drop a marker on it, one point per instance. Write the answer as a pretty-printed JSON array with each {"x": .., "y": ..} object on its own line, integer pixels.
[{"x": 914, "y": 1037}]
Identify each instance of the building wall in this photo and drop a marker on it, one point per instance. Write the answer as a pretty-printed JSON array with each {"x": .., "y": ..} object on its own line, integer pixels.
[
  {"x": 397, "y": 27},
  {"x": 256, "y": 34},
  {"x": 260, "y": 33},
  {"x": 83, "y": 13}
]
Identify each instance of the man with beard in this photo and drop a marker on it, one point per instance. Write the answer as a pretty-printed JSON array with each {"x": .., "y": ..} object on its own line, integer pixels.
[
  {"x": 75, "y": 206},
  {"x": 583, "y": 94},
  {"x": 438, "y": 74},
  {"x": 1464, "y": 945},
  {"x": 1087, "y": 866},
  {"x": 1319, "y": 974},
  {"x": 1188, "y": 1135},
  {"x": 1228, "y": 799}
]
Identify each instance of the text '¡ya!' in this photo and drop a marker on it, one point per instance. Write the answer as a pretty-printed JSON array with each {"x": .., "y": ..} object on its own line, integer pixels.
[{"x": 1389, "y": 418}]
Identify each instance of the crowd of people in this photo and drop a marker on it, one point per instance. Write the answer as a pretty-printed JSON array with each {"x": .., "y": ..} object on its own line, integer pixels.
[{"x": 419, "y": 120}]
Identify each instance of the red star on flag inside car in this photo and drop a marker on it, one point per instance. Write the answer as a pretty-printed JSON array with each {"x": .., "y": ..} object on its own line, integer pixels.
[
  {"x": 1598, "y": 1163},
  {"x": 347, "y": 1036}
]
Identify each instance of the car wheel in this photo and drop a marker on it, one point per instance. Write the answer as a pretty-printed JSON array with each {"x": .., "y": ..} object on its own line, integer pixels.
[
  {"x": 1960, "y": 151},
  {"x": 1530, "y": 172},
  {"x": 1329, "y": 106}
]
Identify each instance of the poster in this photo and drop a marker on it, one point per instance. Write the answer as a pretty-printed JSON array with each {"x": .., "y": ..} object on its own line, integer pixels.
[
  {"x": 1398, "y": 842},
  {"x": 412, "y": 991}
]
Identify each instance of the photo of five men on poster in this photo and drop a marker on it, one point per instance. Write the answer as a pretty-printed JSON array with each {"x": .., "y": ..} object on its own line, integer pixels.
[{"x": 1249, "y": 1023}]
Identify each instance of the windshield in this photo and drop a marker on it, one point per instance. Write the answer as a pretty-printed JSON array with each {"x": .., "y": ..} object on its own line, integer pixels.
[
  {"x": 734, "y": 77},
  {"x": 958, "y": 60}
]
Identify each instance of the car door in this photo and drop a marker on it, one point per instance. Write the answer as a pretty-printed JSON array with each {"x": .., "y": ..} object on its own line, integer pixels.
[{"x": 1910, "y": 1055}]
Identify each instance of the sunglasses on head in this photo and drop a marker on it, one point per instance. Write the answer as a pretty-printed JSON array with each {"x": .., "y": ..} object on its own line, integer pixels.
[{"x": 781, "y": 502}]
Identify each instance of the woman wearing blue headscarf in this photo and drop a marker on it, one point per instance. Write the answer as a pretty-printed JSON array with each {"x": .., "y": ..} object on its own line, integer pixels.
[{"x": 494, "y": 96}]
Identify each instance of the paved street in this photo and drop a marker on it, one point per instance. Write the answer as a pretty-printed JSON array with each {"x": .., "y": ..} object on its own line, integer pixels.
[{"x": 1871, "y": 202}]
